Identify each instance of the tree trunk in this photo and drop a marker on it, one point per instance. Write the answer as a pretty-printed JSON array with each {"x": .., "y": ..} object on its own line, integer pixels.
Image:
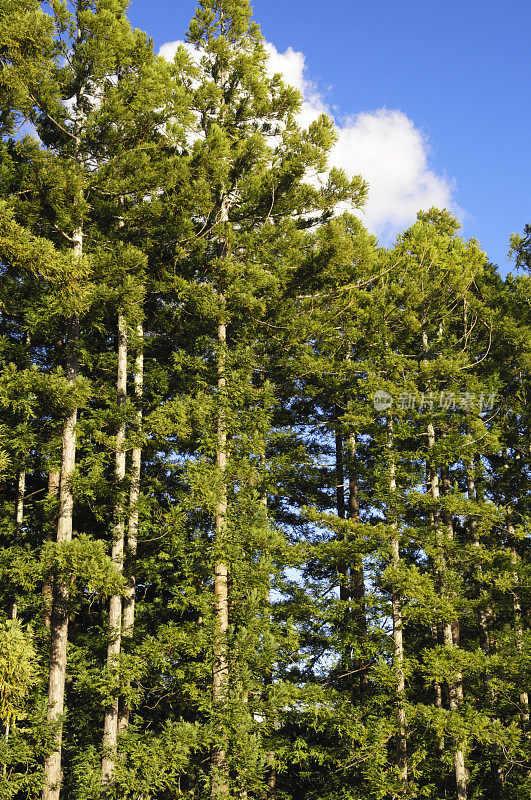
[
  {"x": 357, "y": 577},
  {"x": 400, "y": 686},
  {"x": 128, "y": 614},
  {"x": 433, "y": 487},
  {"x": 59, "y": 617},
  {"x": 450, "y": 628},
  {"x": 452, "y": 631},
  {"x": 484, "y": 639},
  {"x": 110, "y": 727},
  {"x": 518, "y": 632},
  {"x": 482, "y": 614},
  {"x": 219, "y": 783},
  {"x": 340, "y": 477},
  {"x": 270, "y": 754},
  {"x": 54, "y": 480},
  {"x": 21, "y": 491},
  {"x": 438, "y": 702},
  {"x": 340, "y": 508}
]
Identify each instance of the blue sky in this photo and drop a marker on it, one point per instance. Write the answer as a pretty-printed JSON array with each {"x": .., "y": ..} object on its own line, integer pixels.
[{"x": 431, "y": 99}]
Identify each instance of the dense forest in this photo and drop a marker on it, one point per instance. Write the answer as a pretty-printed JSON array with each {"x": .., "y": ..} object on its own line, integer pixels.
[{"x": 265, "y": 510}]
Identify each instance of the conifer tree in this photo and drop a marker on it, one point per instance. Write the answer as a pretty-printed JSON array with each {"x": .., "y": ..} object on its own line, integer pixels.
[
  {"x": 252, "y": 160},
  {"x": 73, "y": 107}
]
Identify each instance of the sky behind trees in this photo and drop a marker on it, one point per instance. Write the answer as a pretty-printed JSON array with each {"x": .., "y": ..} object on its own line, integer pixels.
[{"x": 429, "y": 99}]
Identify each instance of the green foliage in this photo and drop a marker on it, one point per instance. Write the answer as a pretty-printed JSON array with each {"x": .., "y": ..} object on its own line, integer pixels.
[
  {"x": 269, "y": 317},
  {"x": 18, "y": 670}
]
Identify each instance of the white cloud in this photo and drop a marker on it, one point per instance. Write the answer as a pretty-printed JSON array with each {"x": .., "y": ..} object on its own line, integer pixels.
[
  {"x": 392, "y": 155},
  {"x": 168, "y": 50},
  {"x": 383, "y": 146},
  {"x": 291, "y": 65}
]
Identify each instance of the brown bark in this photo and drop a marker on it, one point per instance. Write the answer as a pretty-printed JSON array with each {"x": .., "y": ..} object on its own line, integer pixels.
[
  {"x": 110, "y": 726},
  {"x": 59, "y": 617},
  {"x": 220, "y": 677},
  {"x": 128, "y": 613},
  {"x": 54, "y": 479},
  {"x": 353, "y": 499},
  {"x": 271, "y": 775},
  {"x": 398, "y": 641},
  {"x": 438, "y": 702}
]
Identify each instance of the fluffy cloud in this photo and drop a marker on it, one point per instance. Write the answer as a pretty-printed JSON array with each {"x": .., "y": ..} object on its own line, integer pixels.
[
  {"x": 168, "y": 50},
  {"x": 383, "y": 146},
  {"x": 392, "y": 155},
  {"x": 291, "y": 65}
]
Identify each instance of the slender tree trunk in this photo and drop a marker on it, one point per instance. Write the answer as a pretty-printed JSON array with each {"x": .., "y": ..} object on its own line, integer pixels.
[
  {"x": 272, "y": 775},
  {"x": 357, "y": 577},
  {"x": 524, "y": 697},
  {"x": 450, "y": 630},
  {"x": 438, "y": 702},
  {"x": 433, "y": 487},
  {"x": 340, "y": 477},
  {"x": 518, "y": 631},
  {"x": 353, "y": 498},
  {"x": 110, "y": 727},
  {"x": 400, "y": 686},
  {"x": 54, "y": 480},
  {"x": 346, "y": 619},
  {"x": 59, "y": 617},
  {"x": 340, "y": 507},
  {"x": 484, "y": 639},
  {"x": 220, "y": 677},
  {"x": 270, "y": 754},
  {"x": 21, "y": 491},
  {"x": 482, "y": 615},
  {"x": 128, "y": 614},
  {"x": 433, "y": 480}
]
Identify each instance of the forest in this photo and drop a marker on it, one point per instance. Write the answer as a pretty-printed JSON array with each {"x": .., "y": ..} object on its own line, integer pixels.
[{"x": 265, "y": 509}]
